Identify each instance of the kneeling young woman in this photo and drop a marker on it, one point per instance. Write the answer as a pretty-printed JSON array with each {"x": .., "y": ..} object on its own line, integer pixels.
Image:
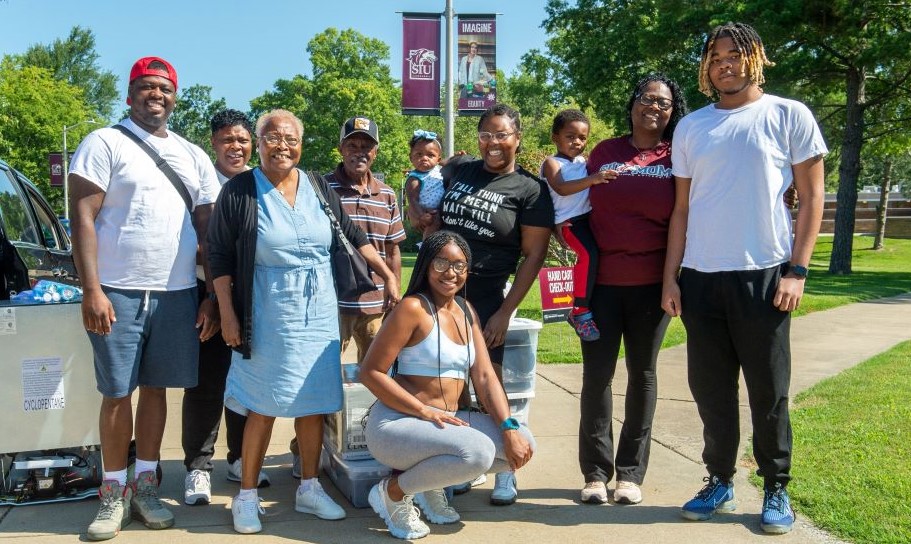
[{"x": 436, "y": 344}]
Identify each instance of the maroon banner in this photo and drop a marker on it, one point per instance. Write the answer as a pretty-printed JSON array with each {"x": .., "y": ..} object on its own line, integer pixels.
[
  {"x": 421, "y": 64},
  {"x": 55, "y": 160},
  {"x": 477, "y": 71}
]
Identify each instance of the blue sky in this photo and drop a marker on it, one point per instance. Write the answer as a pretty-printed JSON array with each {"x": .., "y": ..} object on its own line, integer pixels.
[{"x": 241, "y": 48}]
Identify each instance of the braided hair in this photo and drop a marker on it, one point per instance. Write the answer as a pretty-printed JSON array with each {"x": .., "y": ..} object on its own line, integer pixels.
[
  {"x": 430, "y": 248},
  {"x": 678, "y": 109},
  {"x": 747, "y": 42}
]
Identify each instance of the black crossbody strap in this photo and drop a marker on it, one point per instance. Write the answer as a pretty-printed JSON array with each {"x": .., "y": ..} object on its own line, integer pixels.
[
  {"x": 332, "y": 219},
  {"x": 162, "y": 165}
]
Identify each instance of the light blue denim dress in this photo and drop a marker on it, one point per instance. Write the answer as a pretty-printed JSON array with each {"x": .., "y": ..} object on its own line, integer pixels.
[{"x": 295, "y": 369}]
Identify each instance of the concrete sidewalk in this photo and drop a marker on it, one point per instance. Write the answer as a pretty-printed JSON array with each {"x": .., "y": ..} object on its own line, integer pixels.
[{"x": 823, "y": 344}]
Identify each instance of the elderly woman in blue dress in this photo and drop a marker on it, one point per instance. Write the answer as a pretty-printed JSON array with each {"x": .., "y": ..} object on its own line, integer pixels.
[{"x": 269, "y": 247}]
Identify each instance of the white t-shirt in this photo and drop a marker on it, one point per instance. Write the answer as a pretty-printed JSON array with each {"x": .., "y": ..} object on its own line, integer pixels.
[
  {"x": 574, "y": 205},
  {"x": 146, "y": 238},
  {"x": 740, "y": 163}
]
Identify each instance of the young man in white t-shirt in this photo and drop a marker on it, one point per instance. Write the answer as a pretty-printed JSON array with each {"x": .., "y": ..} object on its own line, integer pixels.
[
  {"x": 135, "y": 241},
  {"x": 734, "y": 269}
]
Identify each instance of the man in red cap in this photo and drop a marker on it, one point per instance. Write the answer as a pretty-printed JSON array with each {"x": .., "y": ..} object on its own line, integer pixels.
[{"x": 136, "y": 230}]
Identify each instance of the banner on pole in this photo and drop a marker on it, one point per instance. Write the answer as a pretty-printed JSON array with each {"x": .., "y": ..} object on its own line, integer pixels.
[
  {"x": 477, "y": 54},
  {"x": 55, "y": 160},
  {"x": 421, "y": 64}
]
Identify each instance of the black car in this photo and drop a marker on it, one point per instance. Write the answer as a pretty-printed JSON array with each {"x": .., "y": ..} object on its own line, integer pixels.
[{"x": 33, "y": 243}]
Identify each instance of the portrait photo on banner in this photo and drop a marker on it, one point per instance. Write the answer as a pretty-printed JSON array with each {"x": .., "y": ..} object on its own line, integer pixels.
[{"x": 477, "y": 62}]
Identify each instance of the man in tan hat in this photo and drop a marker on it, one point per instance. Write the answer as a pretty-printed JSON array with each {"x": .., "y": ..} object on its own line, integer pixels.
[{"x": 136, "y": 230}]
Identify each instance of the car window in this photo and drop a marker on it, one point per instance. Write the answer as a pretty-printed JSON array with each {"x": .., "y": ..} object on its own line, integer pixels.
[
  {"x": 49, "y": 232},
  {"x": 17, "y": 221}
]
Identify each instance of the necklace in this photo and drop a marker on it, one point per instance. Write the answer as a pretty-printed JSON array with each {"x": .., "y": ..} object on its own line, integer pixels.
[{"x": 643, "y": 153}]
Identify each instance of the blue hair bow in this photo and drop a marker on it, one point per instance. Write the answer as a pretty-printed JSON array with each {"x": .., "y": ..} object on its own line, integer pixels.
[{"x": 425, "y": 134}]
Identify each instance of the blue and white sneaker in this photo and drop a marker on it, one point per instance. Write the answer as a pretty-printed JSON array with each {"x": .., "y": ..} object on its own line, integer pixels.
[
  {"x": 777, "y": 514},
  {"x": 716, "y": 496}
]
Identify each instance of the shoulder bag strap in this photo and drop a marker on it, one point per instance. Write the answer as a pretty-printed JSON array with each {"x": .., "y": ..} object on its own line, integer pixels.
[
  {"x": 162, "y": 165},
  {"x": 332, "y": 219}
]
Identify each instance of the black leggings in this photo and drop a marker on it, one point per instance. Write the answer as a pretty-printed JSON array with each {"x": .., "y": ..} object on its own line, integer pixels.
[{"x": 632, "y": 314}]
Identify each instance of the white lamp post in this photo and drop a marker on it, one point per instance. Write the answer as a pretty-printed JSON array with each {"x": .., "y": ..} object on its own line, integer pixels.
[{"x": 66, "y": 166}]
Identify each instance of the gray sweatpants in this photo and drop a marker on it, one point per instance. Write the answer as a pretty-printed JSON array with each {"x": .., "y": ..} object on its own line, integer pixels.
[{"x": 434, "y": 458}]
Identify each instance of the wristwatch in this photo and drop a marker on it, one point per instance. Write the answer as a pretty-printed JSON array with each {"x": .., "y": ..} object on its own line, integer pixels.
[
  {"x": 797, "y": 270},
  {"x": 510, "y": 424},
  {"x": 211, "y": 296}
]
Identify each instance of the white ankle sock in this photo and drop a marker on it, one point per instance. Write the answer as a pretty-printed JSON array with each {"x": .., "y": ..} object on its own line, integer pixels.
[
  {"x": 306, "y": 484},
  {"x": 119, "y": 475},
  {"x": 248, "y": 494},
  {"x": 144, "y": 466}
]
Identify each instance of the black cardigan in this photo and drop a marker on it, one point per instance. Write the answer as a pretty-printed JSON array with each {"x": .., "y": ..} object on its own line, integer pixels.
[{"x": 232, "y": 241}]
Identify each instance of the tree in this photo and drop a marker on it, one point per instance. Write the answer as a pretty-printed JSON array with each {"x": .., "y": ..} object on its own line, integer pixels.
[
  {"x": 192, "y": 114},
  {"x": 34, "y": 107},
  {"x": 75, "y": 61},
  {"x": 850, "y": 60},
  {"x": 351, "y": 77}
]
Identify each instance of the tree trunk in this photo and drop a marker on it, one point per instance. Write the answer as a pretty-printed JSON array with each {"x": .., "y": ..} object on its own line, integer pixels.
[
  {"x": 848, "y": 172},
  {"x": 884, "y": 186}
]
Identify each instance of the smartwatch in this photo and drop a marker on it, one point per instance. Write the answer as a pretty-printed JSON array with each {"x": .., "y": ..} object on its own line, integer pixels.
[
  {"x": 799, "y": 271},
  {"x": 509, "y": 424}
]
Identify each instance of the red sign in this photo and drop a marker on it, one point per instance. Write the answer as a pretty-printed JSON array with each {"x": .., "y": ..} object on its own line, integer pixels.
[
  {"x": 556, "y": 292},
  {"x": 421, "y": 64},
  {"x": 477, "y": 69}
]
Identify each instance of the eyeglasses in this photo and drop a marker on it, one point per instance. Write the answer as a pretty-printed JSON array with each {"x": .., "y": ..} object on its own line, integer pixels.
[
  {"x": 663, "y": 103},
  {"x": 274, "y": 139},
  {"x": 442, "y": 264},
  {"x": 495, "y": 136}
]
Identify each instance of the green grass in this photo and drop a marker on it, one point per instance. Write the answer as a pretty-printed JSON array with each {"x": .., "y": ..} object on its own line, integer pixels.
[
  {"x": 852, "y": 433},
  {"x": 876, "y": 274}
]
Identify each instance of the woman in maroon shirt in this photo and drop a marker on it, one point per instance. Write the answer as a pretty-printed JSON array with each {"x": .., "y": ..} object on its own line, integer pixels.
[{"x": 629, "y": 220}]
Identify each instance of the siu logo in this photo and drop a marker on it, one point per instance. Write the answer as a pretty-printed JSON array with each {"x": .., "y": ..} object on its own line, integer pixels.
[{"x": 421, "y": 64}]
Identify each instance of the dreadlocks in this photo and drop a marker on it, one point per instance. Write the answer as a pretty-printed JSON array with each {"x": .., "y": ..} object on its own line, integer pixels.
[
  {"x": 747, "y": 42},
  {"x": 430, "y": 248}
]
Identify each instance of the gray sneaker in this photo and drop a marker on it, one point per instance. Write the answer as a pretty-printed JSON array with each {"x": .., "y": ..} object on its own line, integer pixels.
[
  {"x": 146, "y": 506},
  {"x": 114, "y": 512},
  {"x": 435, "y": 506}
]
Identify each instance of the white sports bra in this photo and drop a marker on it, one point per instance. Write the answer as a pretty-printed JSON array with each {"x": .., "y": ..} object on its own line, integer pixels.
[{"x": 437, "y": 354}]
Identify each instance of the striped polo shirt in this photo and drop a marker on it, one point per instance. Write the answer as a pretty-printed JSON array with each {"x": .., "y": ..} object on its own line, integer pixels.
[{"x": 376, "y": 212}]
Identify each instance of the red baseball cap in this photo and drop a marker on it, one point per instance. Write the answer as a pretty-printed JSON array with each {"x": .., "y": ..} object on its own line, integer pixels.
[{"x": 143, "y": 67}]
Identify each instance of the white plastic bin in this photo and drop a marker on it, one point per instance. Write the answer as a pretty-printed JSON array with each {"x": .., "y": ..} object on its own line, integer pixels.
[
  {"x": 354, "y": 478},
  {"x": 344, "y": 430},
  {"x": 519, "y": 355}
]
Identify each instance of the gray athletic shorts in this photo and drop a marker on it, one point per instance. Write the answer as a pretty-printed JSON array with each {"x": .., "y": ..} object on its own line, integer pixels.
[{"x": 154, "y": 341}]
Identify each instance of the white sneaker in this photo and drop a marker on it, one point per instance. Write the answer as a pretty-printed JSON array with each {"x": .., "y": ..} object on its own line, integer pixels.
[
  {"x": 627, "y": 493},
  {"x": 316, "y": 501},
  {"x": 197, "y": 488},
  {"x": 594, "y": 493},
  {"x": 246, "y": 515},
  {"x": 235, "y": 472},
  {"x": 401, "y": 517},
  {"x": 436, "y": 508},
  {"x": 504, "y": 490}
]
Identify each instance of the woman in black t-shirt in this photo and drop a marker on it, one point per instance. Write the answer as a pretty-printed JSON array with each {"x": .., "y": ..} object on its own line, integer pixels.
[{"x": 506, "y": 214}]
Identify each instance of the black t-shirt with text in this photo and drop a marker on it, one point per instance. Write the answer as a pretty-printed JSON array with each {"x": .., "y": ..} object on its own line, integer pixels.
[{"x": 488, "y": 210}]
